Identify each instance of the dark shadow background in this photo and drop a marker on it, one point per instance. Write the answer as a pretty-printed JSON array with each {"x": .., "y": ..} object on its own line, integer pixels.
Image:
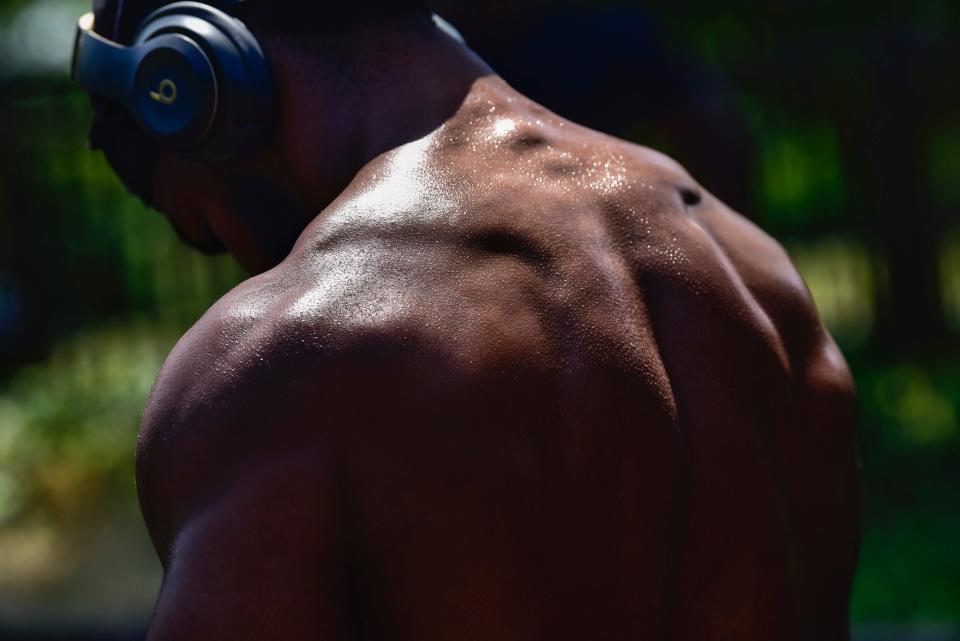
[{"x": 834, "y": 125}]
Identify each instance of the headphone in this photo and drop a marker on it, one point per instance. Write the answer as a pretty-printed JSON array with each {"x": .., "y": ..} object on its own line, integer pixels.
[{"x": 195, "y": 79}]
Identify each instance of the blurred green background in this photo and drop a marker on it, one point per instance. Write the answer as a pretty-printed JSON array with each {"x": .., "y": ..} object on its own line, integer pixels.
[{"x": 834, "y": 125}]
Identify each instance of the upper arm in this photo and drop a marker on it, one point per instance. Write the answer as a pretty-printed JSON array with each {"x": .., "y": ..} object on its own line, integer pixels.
[
  {"x": 261, "y": 558},
  {"x": 240, "y": 492}
]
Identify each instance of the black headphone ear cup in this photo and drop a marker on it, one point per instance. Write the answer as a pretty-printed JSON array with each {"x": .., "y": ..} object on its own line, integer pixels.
[
  {"x": 231, "y": 80},
  {"x": 175, "y": 92}
]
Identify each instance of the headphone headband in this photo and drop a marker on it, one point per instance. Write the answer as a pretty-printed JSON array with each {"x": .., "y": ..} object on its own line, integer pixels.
[
  {"x": 129, "y": 16},
  {"x": 98, "y": 63},
  {"x": 194, "y": 78}
]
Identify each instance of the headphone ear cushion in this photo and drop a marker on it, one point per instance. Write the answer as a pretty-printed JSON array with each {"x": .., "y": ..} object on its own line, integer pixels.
[
  {"x": 243, "y": 97},
  {"x": 175, "y": 92}
]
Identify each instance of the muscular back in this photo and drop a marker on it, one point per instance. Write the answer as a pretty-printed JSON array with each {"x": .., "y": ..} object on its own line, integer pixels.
[{"x": 520, "y": 381}]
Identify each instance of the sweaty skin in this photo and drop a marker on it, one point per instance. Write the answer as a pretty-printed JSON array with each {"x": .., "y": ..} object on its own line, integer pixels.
[{"x": 520, "y": 381}]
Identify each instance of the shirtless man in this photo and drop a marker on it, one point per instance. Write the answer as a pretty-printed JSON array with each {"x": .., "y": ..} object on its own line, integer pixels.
[{"x": 515, "y": 380}]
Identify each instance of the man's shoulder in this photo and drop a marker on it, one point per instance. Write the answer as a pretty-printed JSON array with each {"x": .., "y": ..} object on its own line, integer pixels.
[
  {"x": 329, "y": 317},
  {"x": 491, "y": 292},
  {"x": 287, "y": 360}
]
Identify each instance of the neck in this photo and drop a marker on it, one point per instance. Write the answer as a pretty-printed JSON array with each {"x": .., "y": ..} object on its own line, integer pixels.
[{"x": 334, "y": 122}]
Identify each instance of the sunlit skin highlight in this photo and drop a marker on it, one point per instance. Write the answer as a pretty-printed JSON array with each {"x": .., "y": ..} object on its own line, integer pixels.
[{"x": 516, "y": 380}]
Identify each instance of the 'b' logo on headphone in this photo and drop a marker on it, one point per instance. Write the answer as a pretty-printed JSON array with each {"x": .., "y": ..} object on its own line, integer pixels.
[{"x": 166, "y": 93}]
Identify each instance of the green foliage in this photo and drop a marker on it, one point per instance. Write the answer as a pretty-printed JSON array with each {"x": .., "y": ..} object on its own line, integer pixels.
[
  {"x": 950, "y": 277},
  {"x": 910, "y": 439},
  {"x": 70, "y": 423},
  {"x": 68, "y": 429},
  {"x": 842, "y": 277},
  {"x": 943, "y": 158},
  {"x": 800, "y": 178},
  {"x": 908, "y": 569}
]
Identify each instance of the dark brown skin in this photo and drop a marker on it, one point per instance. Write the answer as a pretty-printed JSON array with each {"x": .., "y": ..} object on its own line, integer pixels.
[{"x": 520, "y": 380}]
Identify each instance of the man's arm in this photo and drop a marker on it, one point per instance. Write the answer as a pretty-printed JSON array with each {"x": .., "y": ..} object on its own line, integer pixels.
[
  {"x": 261, "y": 558},
  {"x": 237, "y": 485}
]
